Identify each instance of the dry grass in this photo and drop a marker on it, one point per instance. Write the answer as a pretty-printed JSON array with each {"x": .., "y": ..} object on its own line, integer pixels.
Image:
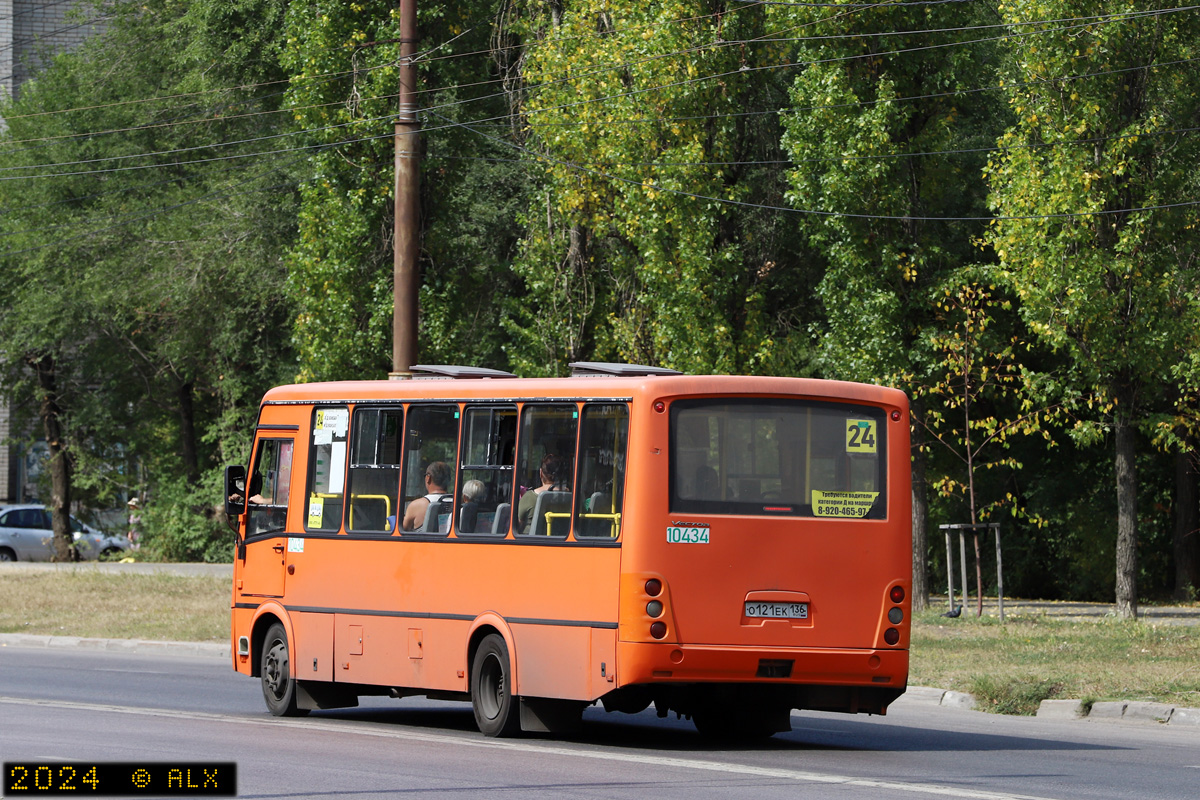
[
  {"x": 115, "y": 606},
  {"x": 1012, "y": 666}
]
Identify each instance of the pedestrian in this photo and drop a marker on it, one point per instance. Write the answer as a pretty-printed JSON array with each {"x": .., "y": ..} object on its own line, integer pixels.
[{"x": 135, "y": 517}]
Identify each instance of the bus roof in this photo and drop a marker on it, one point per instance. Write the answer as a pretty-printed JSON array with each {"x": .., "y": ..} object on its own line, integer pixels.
[{"x": 607, "y": 387}]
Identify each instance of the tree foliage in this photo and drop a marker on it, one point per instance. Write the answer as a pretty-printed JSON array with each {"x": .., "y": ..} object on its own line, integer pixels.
[
  {"x": 988, "y": 204},
  {"x": 1102, "y": 272}
]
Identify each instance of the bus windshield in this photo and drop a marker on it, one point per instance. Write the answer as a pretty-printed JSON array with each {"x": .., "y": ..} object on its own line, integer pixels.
[{"x": 778, "y": 457}]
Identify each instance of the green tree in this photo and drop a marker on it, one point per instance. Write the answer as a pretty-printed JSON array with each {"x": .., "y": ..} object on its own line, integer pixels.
[
  {"x": 1101, "y": 274},
  {"x": 877, "y": 100},
  {"x": 650, "y": 237},
  {"x": 145, "y": 235},
  {"x": 342, "y": 59},
  {"x": 981, "y": 397}
]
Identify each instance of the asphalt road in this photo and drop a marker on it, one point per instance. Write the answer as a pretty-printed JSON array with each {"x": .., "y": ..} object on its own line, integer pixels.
[{"x": 76, "y": 704}]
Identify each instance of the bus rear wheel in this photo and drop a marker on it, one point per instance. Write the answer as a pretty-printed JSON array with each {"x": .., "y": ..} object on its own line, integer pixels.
[
  {"x": 497, "y": 710},
  {"x": 279, "y": 688}
]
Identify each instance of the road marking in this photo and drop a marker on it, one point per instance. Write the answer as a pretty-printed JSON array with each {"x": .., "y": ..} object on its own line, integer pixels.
[{"x": 542, "y": 749}]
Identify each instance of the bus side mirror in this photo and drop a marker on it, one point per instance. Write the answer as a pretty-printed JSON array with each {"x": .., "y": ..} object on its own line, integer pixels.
[{"x": 235, "y": 495}]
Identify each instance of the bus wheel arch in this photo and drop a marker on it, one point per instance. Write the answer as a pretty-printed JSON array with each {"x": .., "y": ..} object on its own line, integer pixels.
[
  {"x": 492, "y": 681},
  {"x": 278, "y": 683},
  {"x": 267, "y": 615}
]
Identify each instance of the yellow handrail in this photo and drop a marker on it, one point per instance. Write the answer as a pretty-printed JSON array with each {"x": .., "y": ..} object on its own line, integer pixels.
[
  {"x": 555, "y": 515},
  {"x": 615, "y": 518},
  {"x": 387, "y": 505}
]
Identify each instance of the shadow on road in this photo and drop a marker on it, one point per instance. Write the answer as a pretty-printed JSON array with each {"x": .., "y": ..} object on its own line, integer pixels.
[{"x": 811, "y": 732}]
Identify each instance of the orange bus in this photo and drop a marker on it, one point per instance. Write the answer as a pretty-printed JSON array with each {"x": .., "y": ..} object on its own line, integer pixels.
[{"x": 729, "y": 548}]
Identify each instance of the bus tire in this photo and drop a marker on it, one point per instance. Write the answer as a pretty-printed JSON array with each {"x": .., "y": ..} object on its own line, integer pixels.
[
  {"x": 279, "y": 688},
  {"x": 497, "y": 710}
]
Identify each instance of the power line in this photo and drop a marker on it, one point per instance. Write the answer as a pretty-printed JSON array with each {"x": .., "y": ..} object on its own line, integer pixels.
[
  {"x": 47, "y": 34},
  {"x": 176, "y": 123},
  {"x": 747, "y": 70},
  {"x": 34, "y": 9},
  {"x": 244, "y": 141},
  {"x": 208, "y": 146},
  {"x": 760, "y": 40},
  {"x": 813, "y": 212}
]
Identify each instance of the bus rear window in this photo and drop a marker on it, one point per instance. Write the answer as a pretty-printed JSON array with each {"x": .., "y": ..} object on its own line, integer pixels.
[{"x": 778, "y": 458}]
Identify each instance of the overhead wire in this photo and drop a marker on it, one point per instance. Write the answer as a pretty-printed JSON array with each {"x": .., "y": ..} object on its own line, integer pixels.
[
  {"x": 658, "y": 187},
  {"x": 1093, "y": 18},
  {"x": 526, "y": 112},
  {"x": 43, "y": 35},
  {"x": 744, "y": 70}
]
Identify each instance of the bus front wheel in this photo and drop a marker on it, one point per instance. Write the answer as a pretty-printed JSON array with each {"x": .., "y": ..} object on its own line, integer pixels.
[
  {"x": 496, "y": 708},
  {"x": 279, "y": 688}
]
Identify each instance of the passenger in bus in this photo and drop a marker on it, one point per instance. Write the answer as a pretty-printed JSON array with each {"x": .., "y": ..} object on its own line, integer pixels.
[
  {"x": 554, "y": 475},
  {"x": 474, "y": 492},
  {"x": 437, "y": 478}
]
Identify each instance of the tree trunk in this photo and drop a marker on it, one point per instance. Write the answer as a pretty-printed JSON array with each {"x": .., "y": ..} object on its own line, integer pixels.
[
  {"x": 920, "y": 522},
  {"x": 1187, "y": 519},
  {"x": 60, "y": 468},
  {"x": 1127, "y": 559},
  {"x": 187, "y": 434}
]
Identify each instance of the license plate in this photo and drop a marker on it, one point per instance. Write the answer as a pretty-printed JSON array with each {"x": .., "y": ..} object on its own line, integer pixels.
[{"x": 777, "y": 610}]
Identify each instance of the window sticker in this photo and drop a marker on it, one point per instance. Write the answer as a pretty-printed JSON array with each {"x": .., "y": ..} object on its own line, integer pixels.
[
  {"x": 854, "y": 505},
  {"x": 316, "y": 510},
  {"x": 860, "y": 436},
  {"x": 336, "y": 420},
  {"x": 337, "y": 467}
]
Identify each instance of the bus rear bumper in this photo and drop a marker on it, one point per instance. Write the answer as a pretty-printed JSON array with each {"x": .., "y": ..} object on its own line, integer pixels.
[
  {"x": 687, "y": 677},
  {"x": 647, "y": 662}
]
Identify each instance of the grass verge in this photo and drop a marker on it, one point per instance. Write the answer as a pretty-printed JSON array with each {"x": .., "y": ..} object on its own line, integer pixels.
[
  {"x": 1012, "y": 667},
  {"x": 115, "y": 606}
]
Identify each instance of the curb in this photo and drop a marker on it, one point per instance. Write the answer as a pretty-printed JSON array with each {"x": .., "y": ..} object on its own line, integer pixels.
[
  {"x": 202, "y": 649},
  {"x": 1128, "y": 712}
]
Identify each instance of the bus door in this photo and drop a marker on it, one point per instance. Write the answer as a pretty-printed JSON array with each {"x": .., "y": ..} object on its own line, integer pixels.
[{"x": 268, "y": 491}]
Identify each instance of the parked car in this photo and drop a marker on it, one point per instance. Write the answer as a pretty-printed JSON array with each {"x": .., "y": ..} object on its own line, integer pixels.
[{"x": 26, "y": 535}]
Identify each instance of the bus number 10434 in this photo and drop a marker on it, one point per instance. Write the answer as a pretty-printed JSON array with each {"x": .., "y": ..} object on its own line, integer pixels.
[{"x": 694, "y": 534}]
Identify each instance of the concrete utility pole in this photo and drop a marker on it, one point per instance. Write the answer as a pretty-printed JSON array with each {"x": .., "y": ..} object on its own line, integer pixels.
[{"x": 407, "y": 245}]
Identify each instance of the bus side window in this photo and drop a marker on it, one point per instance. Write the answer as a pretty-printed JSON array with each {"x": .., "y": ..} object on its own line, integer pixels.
[
  {"x": 269, "y": 487},
  {"x": 374, "y": 481},
  {"x": 431, "y": 450},
  {"x": 484, "y": 501},
  {"x": 547, "y": 440},
  {"x": 327, "y": 468},
  {"x": 600, "y": 495}
]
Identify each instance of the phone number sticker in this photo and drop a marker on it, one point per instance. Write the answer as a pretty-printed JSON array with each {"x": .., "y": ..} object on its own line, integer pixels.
[
  {"x": 687, "y": 534},
  {"x": 843, "y": 504}
]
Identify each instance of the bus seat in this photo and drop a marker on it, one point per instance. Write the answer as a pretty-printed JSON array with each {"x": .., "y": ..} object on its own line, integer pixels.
[
  {"x": 433, "y": 512},
  {"x": 600, "y": 503},
  {"x": 551, "y": 503},
  {"x": 500, "y": 521}
]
